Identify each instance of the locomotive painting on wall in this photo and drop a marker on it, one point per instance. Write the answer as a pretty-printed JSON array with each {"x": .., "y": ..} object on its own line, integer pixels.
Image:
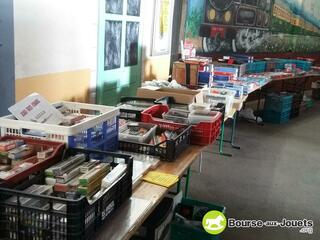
[
  {"x": 240, "y": 22},
  {"x": 253, "y": 25}
]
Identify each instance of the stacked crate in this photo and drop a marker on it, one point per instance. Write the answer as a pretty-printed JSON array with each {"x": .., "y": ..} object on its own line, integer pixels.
[
  {"x": 277, "y": 108},
  {"x": 316, "y": 90},
  {"x": 296, "y": 103},
  {"x": 256, "y": 67}
]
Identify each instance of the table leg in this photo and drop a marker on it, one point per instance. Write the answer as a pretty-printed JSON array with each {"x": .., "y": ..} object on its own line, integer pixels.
[
  {"x": 179, "y": 186},
  {"x": 221, "y": 141},
  {"x": 304, "y": 85},
  {"x": 186, "y": 190},
  {"x": 200, "y": 163},
  {"x": 233, "y": 132}
]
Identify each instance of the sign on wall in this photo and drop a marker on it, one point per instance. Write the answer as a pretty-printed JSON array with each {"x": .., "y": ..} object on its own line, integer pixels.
[{"x": 162, "y": 29}]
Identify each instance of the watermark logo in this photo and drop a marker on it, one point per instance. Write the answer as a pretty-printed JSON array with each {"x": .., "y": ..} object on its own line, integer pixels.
[
  {"x": 305, "y": 225},
  {"x": 214, "y": 222}
]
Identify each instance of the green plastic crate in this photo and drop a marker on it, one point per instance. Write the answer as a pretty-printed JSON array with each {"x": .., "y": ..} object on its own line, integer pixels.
[
  {"x": 276, "y": 117},
  {"x": 180, "y": 231}
]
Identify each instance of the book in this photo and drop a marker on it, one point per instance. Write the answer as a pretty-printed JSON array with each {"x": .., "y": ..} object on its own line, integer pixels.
[
  {"x": 97, "y": 172},
  {"x": 36, "y": 108},
  {"x": 114, "y": 175}
]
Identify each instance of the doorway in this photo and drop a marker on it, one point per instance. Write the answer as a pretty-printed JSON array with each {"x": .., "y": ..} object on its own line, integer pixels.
[{"x": 119, "y": 50}]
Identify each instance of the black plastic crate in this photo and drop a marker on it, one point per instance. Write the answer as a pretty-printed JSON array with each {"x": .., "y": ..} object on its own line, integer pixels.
[
  {"x": 316, "y": 94},
  {"x": 171, "y": 103},
  {"x": 169, "y": 153},
  {"x": 296, "y": 100},
  {"x": 131, "y": 107},
  {"x": 79, "y": 220},
  {"x": 295, "y": 112}
]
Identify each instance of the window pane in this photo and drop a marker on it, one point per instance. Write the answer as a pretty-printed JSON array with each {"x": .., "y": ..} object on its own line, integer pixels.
[
  {"x": 114, "y": 6},
  {"x": 112, "y": 50},
  {"x": 132, "y": 38},
  {"x": 134, "y": 7}
]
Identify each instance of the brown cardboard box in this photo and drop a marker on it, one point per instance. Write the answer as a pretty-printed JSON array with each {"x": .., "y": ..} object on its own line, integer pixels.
[
  {"x": 179, "y": 73},
  {"x": 183, "y": 96}
]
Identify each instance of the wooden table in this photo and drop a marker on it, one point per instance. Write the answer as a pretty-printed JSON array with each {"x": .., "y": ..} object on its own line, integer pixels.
[{"x": 126, "y": 220}]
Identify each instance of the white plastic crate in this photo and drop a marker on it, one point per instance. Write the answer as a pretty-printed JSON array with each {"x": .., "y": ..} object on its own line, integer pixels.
[
  {"x": 99, "y": 118},
  {"x": 219, "y": 95},
  {"x": 196, "y": 117},
  {"x": 138, "y": 139}
]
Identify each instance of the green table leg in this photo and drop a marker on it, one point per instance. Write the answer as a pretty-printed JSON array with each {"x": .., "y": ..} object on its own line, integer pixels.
[
  {"x": 179, "y": 186},
  {"x": 187, "y": 182},
  {"x": 222, "y": 141},
  {"x": 231, "y": 141},
  {"x": 221, "y": 138}
]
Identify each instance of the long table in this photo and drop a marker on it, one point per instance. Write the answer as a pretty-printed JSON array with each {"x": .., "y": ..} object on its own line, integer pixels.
[
  {"x": 238, "y": 104},
  {"x": 146, "y": 196}
]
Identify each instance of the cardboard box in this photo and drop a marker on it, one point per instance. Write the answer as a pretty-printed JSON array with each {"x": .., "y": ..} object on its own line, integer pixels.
[
  {"x": 179, "y": 73},
  {"x": 183, "y": 96}
]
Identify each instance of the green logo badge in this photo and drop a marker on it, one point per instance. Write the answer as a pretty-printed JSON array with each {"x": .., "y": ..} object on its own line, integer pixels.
[{"x": 214, "y": 222}]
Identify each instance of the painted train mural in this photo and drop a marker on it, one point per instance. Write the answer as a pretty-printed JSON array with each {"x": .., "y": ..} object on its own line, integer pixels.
[{"x": 254, "y": 25}]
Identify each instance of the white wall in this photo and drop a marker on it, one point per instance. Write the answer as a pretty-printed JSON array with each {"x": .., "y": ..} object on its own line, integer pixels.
[{"x": 55, "y": 36}]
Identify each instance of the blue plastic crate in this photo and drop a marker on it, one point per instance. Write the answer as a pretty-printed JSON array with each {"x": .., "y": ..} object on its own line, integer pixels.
[
  {"x": 276, "y": 117},
  {"x": 278, "y": 102},
  {"x": 99, "y": 129},
  {"x": 104, "y": 136},
  {"x": 256, "y": 67},
  {"x": 304, "y": 65}
]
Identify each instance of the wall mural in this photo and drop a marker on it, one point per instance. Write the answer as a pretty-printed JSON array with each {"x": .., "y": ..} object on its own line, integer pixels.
[{"x": 253, "y": 26}]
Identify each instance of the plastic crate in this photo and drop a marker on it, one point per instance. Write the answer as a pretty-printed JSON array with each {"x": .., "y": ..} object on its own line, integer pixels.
[
  {"x": 295, "y": 112},
  {"x": 278, "y": 102},
  {"x": 38, "y": 165},
  {"x": 173, "y": 148},
  {"x": 171, "y": 103},
  {"x": 131, "y": 107},
  {"x": 296, "y": 100},
  {"x": 145, "y": 138},
  {"x": 316, "y": 94},
  {"x": 304, "y": 65},
  {"x": 98, "y": 130},
  {"x": 256, "y": 67},
  {"x": 202, "y": 134},
  {"x": 276, "y": 117},
  {"x": 186, "y": 232},
  {"x": 80, "y": 220},
  {"x": 271, "y": 65}
]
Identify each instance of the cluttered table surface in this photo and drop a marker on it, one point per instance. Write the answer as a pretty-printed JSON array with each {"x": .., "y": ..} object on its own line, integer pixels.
[{"x": 145, "y": 198}]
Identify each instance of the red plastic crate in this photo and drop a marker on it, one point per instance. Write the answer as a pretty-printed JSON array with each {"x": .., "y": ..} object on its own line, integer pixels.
[
  {"x": 203, "y": 133},
  {"x": 39, "y": 165}
]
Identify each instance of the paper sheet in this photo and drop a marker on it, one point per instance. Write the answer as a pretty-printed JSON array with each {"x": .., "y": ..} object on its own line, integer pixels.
[{"x": 162, "y": 179}]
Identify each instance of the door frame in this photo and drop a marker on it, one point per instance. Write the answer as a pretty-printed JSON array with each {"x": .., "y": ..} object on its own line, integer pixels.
[
  {"x": 101, "y": 72},
  {"x": 7, "y": 60}
]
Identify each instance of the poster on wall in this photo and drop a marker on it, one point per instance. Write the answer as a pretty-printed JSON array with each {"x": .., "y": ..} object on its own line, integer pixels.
[
  {"x": 162, "y": 28},
  {"x": 251, "y": 26}
]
